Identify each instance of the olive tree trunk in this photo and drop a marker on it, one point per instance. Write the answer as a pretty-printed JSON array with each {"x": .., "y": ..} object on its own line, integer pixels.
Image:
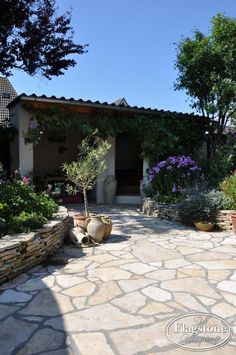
[{"x": 85, "y": 202}]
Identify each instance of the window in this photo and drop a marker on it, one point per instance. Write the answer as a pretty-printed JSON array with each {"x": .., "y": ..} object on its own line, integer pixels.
[{"x": 6, "y": 95}]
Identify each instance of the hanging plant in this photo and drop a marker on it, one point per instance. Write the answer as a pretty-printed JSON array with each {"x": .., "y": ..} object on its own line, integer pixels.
[
  {"x": 34, "y": 133},
  {"x": 32, "y": 136}
]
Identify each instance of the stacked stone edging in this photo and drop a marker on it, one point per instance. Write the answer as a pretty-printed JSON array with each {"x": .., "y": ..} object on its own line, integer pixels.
[
  {"x": 223, "y": 220},
  {"x": 20, "y": 252},
  {"x": 170, "y": 213}
]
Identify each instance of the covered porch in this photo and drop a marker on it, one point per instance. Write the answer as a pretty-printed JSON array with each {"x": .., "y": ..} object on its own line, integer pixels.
[
  {"x": 43, "y": 159},
  {"x": 133, "y": 132}
]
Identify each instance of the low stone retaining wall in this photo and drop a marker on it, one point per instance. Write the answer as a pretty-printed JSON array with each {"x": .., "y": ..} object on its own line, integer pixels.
[
  {"x": 223, "y": 220},
  {"x": 170, "y": 213},
  {"x": 20, "y": 252}
]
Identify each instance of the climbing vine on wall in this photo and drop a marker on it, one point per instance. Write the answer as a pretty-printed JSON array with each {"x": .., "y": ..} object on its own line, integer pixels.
[{"x": 160, "y": 135}]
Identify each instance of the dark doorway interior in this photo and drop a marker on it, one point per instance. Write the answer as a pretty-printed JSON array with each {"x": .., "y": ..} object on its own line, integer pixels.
[
  {"x": 129, "y": 165},
  {"x": 5, "y": 157}
]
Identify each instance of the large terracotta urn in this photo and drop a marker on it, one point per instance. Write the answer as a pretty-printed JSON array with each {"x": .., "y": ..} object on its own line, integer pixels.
[
  {"x": 96, "y": 228},
  {"x": 108, "y": 225},
  {"x": 233, "y": 219},
  {"x": 110, "y": 189},
  {"x": 80, "y": 220}
]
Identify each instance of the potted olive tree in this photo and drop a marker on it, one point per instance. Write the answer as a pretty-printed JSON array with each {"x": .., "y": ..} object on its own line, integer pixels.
[{"x": 81, "y": 174}]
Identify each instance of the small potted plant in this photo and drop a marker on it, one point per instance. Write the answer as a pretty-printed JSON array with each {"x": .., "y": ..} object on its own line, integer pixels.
[
  {"x": 81, "y": 174},
  {"x": 201, "y": 209}
]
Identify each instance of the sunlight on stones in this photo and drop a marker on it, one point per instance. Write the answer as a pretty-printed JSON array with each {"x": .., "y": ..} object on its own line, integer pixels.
[
  {"x": 130, "y": 302},
  {"x": 157, "y": 294},
  {"x": 95, "y": 343},
  {"x": 155, "y": 308},
  {"x": 106, "y": 292},
  {"x": 84, "y": 289},
  {"x": 138, "y": 268}
]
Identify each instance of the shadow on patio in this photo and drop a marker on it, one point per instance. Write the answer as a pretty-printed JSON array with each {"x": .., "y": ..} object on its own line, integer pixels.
[{"x": 32, "y": 309}]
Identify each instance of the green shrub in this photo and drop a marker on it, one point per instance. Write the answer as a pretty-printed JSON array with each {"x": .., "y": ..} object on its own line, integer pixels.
[
  {"x": 21, "y": 208},
  {"x": 222, "y": 162},
  {"x": 202, "y": 207},
  {"x": 228, "y": 186},
  {"x": 25, "y": 222}
]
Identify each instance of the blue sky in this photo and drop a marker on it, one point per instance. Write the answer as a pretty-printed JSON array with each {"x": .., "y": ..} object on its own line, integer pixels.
[{"x": 131, "y": 50}]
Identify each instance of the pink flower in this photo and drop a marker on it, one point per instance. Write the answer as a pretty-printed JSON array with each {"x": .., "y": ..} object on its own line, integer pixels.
[{"x": 26, "y": 180}]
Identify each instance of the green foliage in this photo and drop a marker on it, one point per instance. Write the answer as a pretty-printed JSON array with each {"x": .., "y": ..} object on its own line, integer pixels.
[
  {"x": 222, "y": 162},
  {"x": 33, "y": 38},
  {"x": 163, "y": 132},
  {"x": 207, "y": 71},
  {"x": 83, "y": 172},
  {"x": 21, "y": 208},
  {"x": 32, "y": 136},
  {"x": 202, "y": 207},
  {"x": 228, "y": 187},
  {"x": 25, "y": 222},
  {"x": 3, "y": 224}
]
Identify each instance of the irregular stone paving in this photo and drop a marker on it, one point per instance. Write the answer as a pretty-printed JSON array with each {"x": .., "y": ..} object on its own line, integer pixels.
[{"x": 117, "y": 298}]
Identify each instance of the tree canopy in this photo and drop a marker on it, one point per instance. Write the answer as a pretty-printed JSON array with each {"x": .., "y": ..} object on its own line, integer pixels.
[
  {"x": 35, "y": 39},
  {"x": 206, "y": 67}
]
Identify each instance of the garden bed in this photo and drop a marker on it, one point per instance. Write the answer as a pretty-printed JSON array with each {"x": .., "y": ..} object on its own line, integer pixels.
[
  {"x": 20, "y": 252},
  {"x": 170, "y": 212}
]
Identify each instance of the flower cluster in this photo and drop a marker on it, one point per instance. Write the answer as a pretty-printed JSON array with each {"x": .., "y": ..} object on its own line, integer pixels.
[
  {"x": 26, "y": 180},
  {"x": 173, "y": 174},
  {"x": 171, "y": 163}
]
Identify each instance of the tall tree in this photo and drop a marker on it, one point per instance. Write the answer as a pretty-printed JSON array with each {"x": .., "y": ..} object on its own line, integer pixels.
[
  {"x": 206, "y": 67},
  {"x": 35, "y": 39}
]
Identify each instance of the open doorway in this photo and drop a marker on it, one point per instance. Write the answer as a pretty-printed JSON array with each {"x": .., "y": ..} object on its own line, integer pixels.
[{"x": 128, "y": 164}]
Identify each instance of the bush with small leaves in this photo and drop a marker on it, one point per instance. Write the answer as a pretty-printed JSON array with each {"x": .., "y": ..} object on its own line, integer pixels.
[
  {"x": 228, "y": 186},
  {"x": 21, "y": 208},
  {"x": 202, "y": 207}
]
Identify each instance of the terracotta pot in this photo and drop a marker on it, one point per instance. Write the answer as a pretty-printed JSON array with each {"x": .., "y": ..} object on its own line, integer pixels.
[
  {"x": 108, "y": 225},
  {"x": 233, "y": 219},
  {"x": 204, "y": 226},
  {"x": 80, "y": 220},
  {"x": 96, "y": 228}
]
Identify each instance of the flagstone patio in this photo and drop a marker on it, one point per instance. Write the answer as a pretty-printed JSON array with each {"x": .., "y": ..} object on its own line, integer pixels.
[{"x": 117, "y": 298}]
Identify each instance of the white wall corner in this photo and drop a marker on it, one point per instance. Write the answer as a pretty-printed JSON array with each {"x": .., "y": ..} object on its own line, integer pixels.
[
  {"x": 26, "y": 151},
  {"x": 145, "y": 166},
  {"x": 110, "y": 162}
]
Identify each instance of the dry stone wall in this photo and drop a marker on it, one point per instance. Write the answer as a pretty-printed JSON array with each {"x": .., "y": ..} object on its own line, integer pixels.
[
  {"x": 170, "y": 213},
  {"x": 20, "y": 252}
]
